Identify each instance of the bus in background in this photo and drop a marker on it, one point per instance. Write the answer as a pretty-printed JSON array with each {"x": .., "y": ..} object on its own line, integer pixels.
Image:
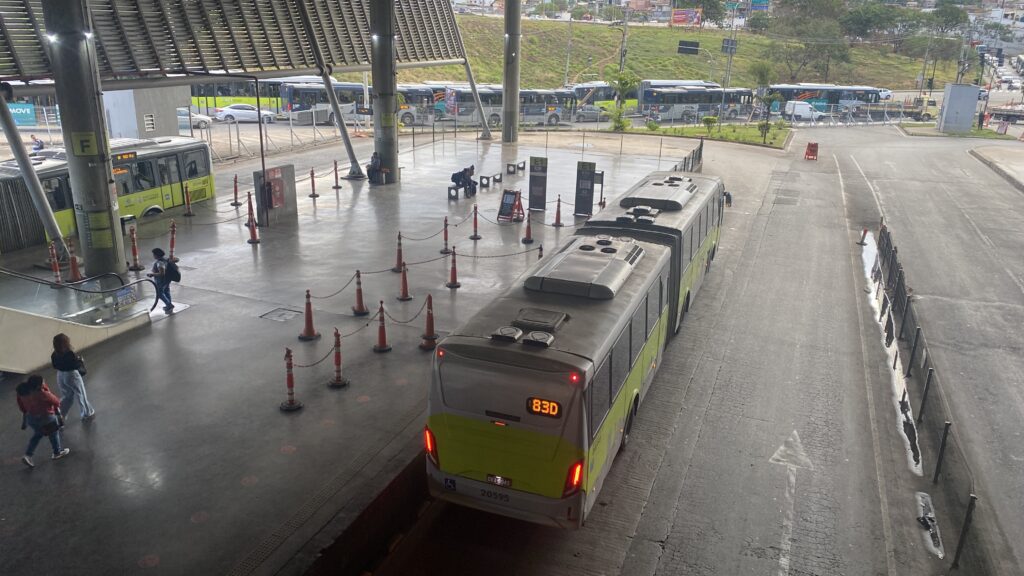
[
  {"x": 149, "y": 176},
  {"x": 831, "y": 98},
  {"x": 646, "y": 85},
  {"x": 209, "y": 96},
  {"x": 693, "y": 103},
  {"x": 298, "y": 97},
  {"x": 541, "y": 107},
  {"x": 602, "y": 95},
  {"x": 415, "y": 107}
]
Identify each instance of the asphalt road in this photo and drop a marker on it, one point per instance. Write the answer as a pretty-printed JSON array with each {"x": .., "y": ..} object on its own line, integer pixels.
[{"x": 782, "y": 356}]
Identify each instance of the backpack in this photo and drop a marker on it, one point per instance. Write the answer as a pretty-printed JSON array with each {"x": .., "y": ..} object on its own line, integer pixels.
[
  {"x": 172, "y": 272},
  {"x": 456, "y": 177}
]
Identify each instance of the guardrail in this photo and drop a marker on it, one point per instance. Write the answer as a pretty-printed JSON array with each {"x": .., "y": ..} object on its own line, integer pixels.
[{"x": 935, "y": 426}]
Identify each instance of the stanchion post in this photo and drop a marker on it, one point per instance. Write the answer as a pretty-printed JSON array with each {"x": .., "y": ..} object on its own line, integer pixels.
[
  {"x": 398, "y": 256},
  {"x": 476, "y": 232},
  {"x": 453, "y": 281},
  {"x": 235, "y": 202},
  {"x": 913, "y": 352},
  {"x": 188, "y": 203},
  {"x": 558, "y": 213},
  {"x": 445, "y": 250},
  {"x": 338, "y": 381},
  {"x": 254, "y": 236},
  {"x": 174, "y": 237},
  {"x": 964, "y": 530},
  {"x": 54, "y": 263},
  {"x": 942, "y": 452},
  {"x": 337, "y": 184},
  {"x": 289, "y": 405},
  {"x": 903, "y": 321},
  {"x": 924, "y": 395},
  {"x": 136, "y": 263},
  {"x": 312, "y": 185}
]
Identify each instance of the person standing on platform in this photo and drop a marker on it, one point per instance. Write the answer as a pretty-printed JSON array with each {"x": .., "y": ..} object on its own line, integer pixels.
[
  {"x": 70, "y": 369},
  {"x": 163, "y": 282},
  {"x": 39, "y": 409}
]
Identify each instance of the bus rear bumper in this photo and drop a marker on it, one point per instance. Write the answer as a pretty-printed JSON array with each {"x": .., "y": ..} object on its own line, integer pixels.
[{"x": 561, "y": 512}]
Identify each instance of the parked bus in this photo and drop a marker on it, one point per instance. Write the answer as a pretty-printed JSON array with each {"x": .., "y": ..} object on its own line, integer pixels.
[
  {"x": 416, "y": 104},
  {"x": 826, "y": 97},
  {"x": 601, "y": 94},
  {"x": 646, "y": 85},
  {"x": 541, "y": 107},
  {"x": 693, "y": 103},
  {"x": 149, "y": 176},
  {"x": 298, "y": 97},
  {"x": 533, "y": 397},
  {"x": 535, "y": 106},
  {"x": 208, "y": 96}
]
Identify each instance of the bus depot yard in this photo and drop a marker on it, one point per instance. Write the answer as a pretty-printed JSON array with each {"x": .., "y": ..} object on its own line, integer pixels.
[{"x": 226, "y": 485}]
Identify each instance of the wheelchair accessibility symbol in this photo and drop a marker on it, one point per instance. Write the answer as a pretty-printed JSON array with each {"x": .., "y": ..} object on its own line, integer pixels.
[{"x": 449, "y": 483}]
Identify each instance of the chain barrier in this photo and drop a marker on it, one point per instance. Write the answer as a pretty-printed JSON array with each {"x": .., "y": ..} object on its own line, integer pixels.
[
  {"x": 486, "y": 256},
  {"x": 338, "y": 291},
  {"x": 436, "y": 234},
  {"x": 342, "y": 336},
  {"x": 486, "y": 219},
  {"x": 326, "y": 356},
  {"x": 239, "y": 217},
  {"x": 203, "y": 205},
  {"x": 397, "y": 321},
  {"x": 140, "y": 236}
]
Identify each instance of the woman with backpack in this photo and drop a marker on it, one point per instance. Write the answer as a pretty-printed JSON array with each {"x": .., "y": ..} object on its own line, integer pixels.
[
  {"x": 70, "y": 369},
  {"x": 39, "y": 409},
  {"x": 163, "y": 272}
]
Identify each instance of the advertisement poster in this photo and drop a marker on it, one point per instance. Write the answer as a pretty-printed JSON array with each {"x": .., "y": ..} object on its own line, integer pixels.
[
  {"x": 584, "y": 204},
  {"x": 24, "y": 114},
  {"x": 686, "y": 16}
]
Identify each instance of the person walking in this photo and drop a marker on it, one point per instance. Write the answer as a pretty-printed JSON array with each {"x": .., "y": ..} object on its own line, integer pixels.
[
  {"x": 163, "y": 282},
  {"x": 39, "y": 409},
  {"x": 37, "y": 144},
  {"x": 70, "y": 369}
]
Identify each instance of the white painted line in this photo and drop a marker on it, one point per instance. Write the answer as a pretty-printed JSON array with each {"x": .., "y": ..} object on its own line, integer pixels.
[
  {"x": 793, "y": 456},
  {"x": 878, "y": 201}
]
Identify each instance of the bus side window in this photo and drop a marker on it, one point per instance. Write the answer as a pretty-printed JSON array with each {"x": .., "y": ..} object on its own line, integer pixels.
[
  {"x": 620, "y": 361},
  {"x": 57, "y": 193},
  {"x": 637, "y": 332},
  {"x": 653, "y": 306},
  {"x": 167, "y": 167},
  {"x": 142, "y": 174},
  {"x": 599, "y": 402},
  {"x": 195, "y": 164}
]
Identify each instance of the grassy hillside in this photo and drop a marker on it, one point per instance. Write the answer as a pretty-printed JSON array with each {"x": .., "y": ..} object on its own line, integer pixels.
[{"x": 652, "y": 54}]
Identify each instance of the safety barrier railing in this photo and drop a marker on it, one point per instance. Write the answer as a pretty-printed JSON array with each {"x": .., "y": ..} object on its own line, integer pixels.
[
  {"x": 95, "y": 301},
  {"x": 925, "y": 401}
]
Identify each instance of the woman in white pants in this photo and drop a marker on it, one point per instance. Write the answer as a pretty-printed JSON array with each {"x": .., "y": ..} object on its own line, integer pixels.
[{"x": 70, "y": 367}]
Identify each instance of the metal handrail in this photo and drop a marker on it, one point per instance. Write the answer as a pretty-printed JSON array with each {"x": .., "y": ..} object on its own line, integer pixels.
[{"x": 72, "y": 286}]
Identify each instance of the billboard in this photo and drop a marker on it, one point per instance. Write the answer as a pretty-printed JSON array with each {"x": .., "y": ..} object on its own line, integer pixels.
[
  {"x": 761, "y": 5},
  {"x": 24, "y": 114},
  {"x": 686, "y": 17}
]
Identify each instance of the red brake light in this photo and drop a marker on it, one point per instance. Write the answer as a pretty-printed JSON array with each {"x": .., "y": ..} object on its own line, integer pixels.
[
  {"x": 574, "y": 479},
  {"x": 430, "y": 444},
  {"x": 574, "y": 377},
  {"x": 440, "y": 352}
]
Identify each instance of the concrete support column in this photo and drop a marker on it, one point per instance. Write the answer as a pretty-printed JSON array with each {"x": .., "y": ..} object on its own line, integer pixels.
[
  {"x": 72, "y": 52},
  {"x": 510, "y": 100},
  {"x": 385, "y": 83}
]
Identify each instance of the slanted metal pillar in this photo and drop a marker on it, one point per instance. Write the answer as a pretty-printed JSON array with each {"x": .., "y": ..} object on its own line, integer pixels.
[
  {"x": 485, "y": 129},
  {"x": 28, "y": 172},
  {"x": 510, "y": 98},
  {"x": 355, "y": 171},
  {"x": 72, "y": 52},
  {"x": 385, "y": 84}
]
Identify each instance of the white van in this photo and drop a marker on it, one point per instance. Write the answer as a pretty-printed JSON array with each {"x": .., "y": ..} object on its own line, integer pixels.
[{"x": 800, "y": 110}]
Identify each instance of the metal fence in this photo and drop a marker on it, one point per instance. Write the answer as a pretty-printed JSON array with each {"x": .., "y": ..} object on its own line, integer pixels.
[{"x": 935, "y": 430}]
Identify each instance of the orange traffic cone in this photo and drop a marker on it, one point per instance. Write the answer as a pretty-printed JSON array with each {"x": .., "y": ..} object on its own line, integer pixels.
[
  {"x": 528, "y": 239},
  {"x": 76, "y": 274},
  {"x": 398, "y": 257},
  {"x": 404, "y": 294},
  {"x": 429, "y": 335},
  {"x": 558, "y": 213},
  {"x": 359, "y": 309},
  {"x": 382, "y": 334},
  {"x": 338, "y": 381},
  {"x": 453, "y": 281},
  {"x": 289, "y": 405},
  {"x": 308, "y": 332}
]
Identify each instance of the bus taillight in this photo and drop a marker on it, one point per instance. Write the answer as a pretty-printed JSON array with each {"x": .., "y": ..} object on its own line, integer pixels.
[
  {"x": 573, "y": 479},
  {"x": 430, "y": 444}
]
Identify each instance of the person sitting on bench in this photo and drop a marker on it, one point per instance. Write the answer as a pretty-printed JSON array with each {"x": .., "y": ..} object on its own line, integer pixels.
[
  {"x": 373, "y": 169},
  {"x": 464, "y": 179}
]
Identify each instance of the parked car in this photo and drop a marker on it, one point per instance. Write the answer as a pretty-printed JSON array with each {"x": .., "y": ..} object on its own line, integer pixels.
[
  {"x": 800, "y": 110},
  {"x": 591, "y": 113},
  {"x": 198, "y": 120},
  {"x": 982, "y": 94},
  {"x": 244, "y": 113},
  {"x": 885, "y": 94}
]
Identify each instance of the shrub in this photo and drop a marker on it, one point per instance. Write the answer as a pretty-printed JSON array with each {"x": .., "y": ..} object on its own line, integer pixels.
[
  {"x": 653, "y": 126},
  {"x": 709, "y": 123}
]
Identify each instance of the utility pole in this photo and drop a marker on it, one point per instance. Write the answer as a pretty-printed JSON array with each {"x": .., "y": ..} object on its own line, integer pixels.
[
  {"x": 728, "y": 68},
  {"x": 568, "y": 54},
  {"x": 924, "y": 67},
  {"x": 625, "y": 38}
]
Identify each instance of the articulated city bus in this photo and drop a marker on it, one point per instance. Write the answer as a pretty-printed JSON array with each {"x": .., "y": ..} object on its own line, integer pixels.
[
  {"x": 830, "y": 98},
  {"x": 646, "y": 85},
  {"x": 149, "y": 175},
  {"x": 602, "y": 95},
  {"x": 209, "y": 96},
  {"x": 690, "y": 104},
  {"x": 532, "y": 398}
]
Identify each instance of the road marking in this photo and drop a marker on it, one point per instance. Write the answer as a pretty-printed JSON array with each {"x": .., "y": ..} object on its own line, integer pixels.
[
  {"x": 791, "y": 455},
  {"x": 883, "y": 499},
  {"x": 878, "y": 201}
]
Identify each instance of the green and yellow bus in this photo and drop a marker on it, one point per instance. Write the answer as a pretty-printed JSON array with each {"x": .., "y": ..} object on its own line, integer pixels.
[
  {"x": 149, "y": 175},
  {"x": 531, "y": 399}
]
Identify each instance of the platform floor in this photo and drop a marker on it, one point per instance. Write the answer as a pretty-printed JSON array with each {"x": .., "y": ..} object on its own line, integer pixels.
[{"x": 189, "y": 467}]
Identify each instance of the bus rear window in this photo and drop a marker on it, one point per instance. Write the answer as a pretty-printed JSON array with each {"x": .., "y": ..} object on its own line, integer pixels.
[{"x": 500, "y": 391}]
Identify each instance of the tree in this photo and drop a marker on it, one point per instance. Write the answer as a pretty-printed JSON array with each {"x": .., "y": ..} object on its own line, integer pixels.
[
  {"x": 809, "y": 9},
  {"x": 867, "y": 19},
  {"x": 905, "y": 23},
  {"x": 612, "y": 13},
  {"x": 810, "y": 43},
  {"x": 758, "y": 22},
  {"x": 948, "y": 18},
  {"x": 709, "y": 123},
  {"x": 622, "y": 83},
  {"x": 579, "y": 10},
  {"x": 763, "y": 71}
]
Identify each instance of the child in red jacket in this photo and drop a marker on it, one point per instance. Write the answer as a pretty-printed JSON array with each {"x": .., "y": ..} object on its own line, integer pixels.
[{"x": 40, "y": 408}]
